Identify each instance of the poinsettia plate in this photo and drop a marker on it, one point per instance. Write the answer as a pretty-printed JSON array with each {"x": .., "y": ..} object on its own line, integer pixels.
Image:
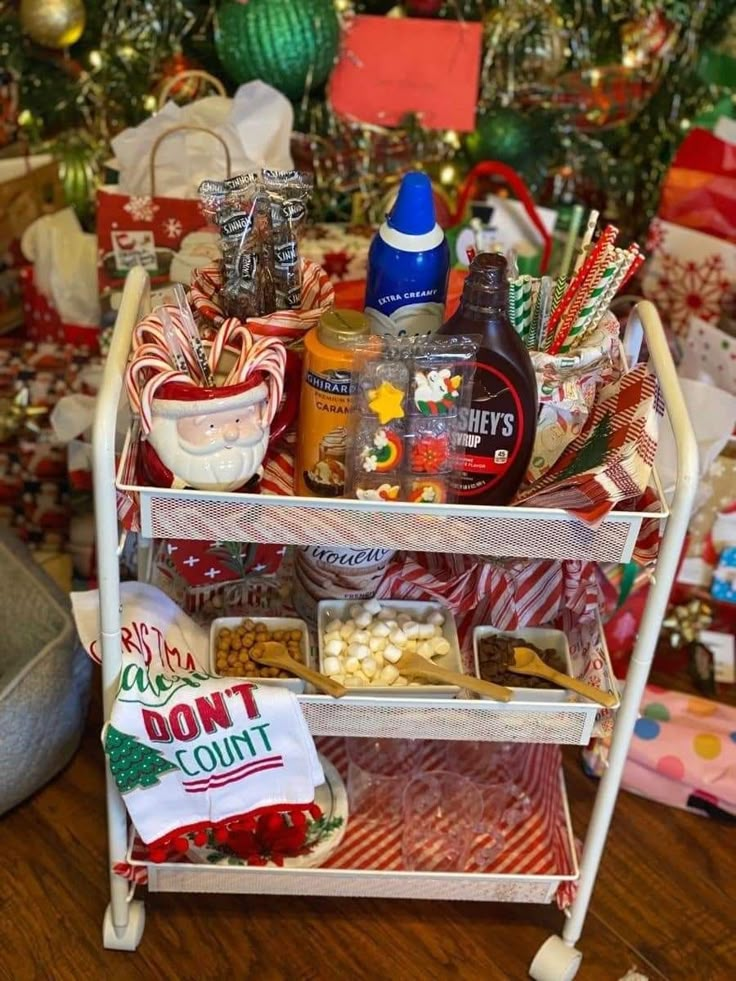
[{"x": 323, "y": 836}]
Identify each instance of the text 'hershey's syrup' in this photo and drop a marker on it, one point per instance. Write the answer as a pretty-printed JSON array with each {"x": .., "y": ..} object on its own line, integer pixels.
[{"x": 498, "y": 428}]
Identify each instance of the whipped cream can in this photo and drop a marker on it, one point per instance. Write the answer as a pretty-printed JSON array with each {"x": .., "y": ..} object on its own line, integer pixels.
[{"x": 325, "y": 403}]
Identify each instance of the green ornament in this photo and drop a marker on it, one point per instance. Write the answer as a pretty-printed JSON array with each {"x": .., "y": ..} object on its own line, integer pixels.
[
  {"x": 506, "y": 135},
  {"x": 290, "y": 44},
  {"x": 79, "y": 170}
]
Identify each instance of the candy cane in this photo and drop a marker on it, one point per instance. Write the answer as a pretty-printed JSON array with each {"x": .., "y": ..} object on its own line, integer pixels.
[
  {"x": 147, "y": 357},
  {"x": 233, "y": 335},
  {"x": 149, "y": 392}
]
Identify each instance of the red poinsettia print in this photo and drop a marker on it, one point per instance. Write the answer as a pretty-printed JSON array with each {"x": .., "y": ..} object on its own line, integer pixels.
[{"x": 429, "y": 454}]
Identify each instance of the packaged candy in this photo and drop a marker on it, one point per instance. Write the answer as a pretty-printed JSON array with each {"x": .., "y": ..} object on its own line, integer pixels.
[
  {"x": 289, "y": 192},
  {"x": 409, "y": 397},
  {"x": 259, "y": 217}
]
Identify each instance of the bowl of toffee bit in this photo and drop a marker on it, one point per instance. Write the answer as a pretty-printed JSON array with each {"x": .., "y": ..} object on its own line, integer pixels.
[{"x": 493, "y": 651}]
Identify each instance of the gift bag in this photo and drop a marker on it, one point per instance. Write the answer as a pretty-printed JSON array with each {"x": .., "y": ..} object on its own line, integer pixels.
[
  {"x": 699, "y": 191},
  {"x": 29, "y": 187},
  {"x": 689, "y": 273},
  {"x": 168, "y": 236}
]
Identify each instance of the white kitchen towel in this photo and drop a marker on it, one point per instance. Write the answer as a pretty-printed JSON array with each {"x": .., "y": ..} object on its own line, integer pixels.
[{"x": 188, "y": 750}]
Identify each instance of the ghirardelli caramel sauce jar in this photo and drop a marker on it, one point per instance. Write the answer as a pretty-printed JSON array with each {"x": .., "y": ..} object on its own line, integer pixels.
[{"x": 497, "y": 431}]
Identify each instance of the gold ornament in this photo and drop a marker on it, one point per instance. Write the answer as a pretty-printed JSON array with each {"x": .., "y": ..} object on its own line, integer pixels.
[
  {"x": 53, "y": 23},
  {"x": 17, "y": 414},
  {"x": 684, "y": 623}
]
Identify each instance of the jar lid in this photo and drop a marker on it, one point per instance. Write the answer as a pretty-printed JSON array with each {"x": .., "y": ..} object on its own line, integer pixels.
[{"x": 341, "y": 328}]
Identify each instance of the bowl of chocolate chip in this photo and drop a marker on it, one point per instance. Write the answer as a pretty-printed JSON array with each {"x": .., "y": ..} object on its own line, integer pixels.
[{"x": 493, "y": 651}]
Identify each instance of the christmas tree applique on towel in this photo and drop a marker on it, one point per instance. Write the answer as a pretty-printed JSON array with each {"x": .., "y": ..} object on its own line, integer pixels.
[{"x": 133, "y": 764}]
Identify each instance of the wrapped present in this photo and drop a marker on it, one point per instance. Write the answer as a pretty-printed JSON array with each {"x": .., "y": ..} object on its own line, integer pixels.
[
  {"x": 724, "y": 578},
  {"x": 341, "y": 250}
]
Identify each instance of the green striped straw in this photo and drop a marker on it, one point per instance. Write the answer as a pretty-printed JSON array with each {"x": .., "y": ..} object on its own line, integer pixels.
[
  {"x": 596, "y": 303},
  {"x": 542, "y": 308},
  {"x": 522, "y": 302}
]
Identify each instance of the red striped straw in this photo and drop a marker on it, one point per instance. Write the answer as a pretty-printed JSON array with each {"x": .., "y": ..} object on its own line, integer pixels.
[
  {"x": 580, "y": 289},
  {"x": 638, "y": 262}
]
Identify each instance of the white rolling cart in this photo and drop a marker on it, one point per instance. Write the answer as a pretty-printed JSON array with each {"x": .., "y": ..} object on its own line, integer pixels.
[{"x": 506, "y": 532}]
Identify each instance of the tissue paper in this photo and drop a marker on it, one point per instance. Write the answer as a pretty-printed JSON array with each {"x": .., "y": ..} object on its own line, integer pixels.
[
  {"x": 255, "y": 125},
  {"x": 64, "y": 258}
]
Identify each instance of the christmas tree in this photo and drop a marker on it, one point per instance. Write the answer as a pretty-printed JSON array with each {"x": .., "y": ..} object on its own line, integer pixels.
[{"x": 132, "y": 763}]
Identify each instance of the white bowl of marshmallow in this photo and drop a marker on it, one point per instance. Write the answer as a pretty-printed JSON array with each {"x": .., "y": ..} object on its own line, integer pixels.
[{"x": 361, "y": 643}]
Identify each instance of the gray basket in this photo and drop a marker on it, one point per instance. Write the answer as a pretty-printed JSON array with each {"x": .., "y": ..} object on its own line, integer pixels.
[{"x": 44, "y": 677}]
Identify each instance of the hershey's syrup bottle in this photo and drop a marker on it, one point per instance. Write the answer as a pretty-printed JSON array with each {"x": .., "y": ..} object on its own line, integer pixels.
[{"x": 497, "y": 431}]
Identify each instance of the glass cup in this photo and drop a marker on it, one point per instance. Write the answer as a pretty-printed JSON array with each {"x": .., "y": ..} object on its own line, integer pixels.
[
  {"x": 378, "y": 770},
  {"x": 485, "y": 762},
  {"x": 441, "y": 813}
]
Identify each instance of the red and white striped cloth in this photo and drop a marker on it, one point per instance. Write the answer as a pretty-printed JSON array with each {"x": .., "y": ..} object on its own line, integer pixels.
[
  {"x": 537, "y": 846},
  {"x": 318, "y": 295}
]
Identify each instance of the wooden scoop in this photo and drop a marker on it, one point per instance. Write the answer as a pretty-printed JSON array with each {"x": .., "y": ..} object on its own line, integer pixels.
[
  {"x": 275, "y": 655},
  {"x": 527, "y": 662},
  {"x": 416, "y": 666}
]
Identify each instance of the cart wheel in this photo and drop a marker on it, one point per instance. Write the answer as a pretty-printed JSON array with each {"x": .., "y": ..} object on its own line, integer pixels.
[
  {"x": 130, "y": 936},
  {"x": 555, "y": 961}
]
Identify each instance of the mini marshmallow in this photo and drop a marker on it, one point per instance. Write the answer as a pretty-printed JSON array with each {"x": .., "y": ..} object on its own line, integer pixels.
[
  {"x": 334, "y": 647},
  {"x": 436, "y": 618},
  {"x": 439, "y": 632},
  {"x": 355, "y": 610},
  {"x": 392, "y": 653},
  {"x": 348, "y": 629},
  {"x": 401, "y": 682},
  {"x": 411, "y": 646},
  {"x": 425, "y": 649},
  {"x": 360, "y": 637},
  {"x": 361, "y": 651},
  {"x": 441, "y": 646},
  {"x": 403, "y": 618},
  {"x": 369, "y": 667},
  {"x": 331, "y": 665},
  {"x": 391, "y": 624},
  {"x": 376, "y": 644},
  {"x": 387, "y": 613},
  {"x": 339, "y": 678},
  {"x": 363, "y": 620},
  {"x": 379, "y": 659},
  {"x": 372, "y": 606},
  {"x": 333, "y": 625},
  {"x": 397, "y": 637},
  {"x": 389, "y": 674},
  {"x": 426, "y": 630},
  {"x": 355, "y": 681},
  {"x": 380, "y": 630},
  {"x": 411, "y": 629},
  {"x": 352, "y": 664}
]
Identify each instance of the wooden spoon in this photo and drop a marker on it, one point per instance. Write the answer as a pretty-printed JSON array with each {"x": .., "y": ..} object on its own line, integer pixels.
[
  {"x": 275, "y": 655},
  {"x": 416, "y": 666},
  {"x": 527, "y": 662}
]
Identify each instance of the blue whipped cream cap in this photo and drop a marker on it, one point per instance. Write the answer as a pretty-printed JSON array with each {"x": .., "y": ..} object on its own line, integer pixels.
[{"x": 413, "y": 211}]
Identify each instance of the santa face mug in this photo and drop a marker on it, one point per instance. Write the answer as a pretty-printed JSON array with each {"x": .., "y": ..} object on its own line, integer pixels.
[
  {"x": 214, "y": 436},
  {"x": 213, "y": 439}
]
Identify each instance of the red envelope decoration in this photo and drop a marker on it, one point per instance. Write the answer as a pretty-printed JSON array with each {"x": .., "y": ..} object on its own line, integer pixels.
[{"x": 393, "y": 66}]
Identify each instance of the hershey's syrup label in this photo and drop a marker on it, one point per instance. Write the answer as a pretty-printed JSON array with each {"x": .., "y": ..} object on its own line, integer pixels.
[{"x": 490, "y": 433}]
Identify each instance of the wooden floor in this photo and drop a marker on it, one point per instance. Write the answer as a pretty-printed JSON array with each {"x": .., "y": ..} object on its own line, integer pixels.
[{"x": 664, "y": 904}]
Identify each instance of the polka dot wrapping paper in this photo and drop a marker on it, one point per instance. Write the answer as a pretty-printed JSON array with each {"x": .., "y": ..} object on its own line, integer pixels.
[{"x": 683, "y": 753}]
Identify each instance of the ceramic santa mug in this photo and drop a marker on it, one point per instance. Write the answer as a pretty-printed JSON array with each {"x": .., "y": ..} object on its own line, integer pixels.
[{"x": 215, "y": 439}]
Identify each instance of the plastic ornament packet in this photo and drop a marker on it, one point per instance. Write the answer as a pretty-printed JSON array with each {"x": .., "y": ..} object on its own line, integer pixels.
[{"x": 409, "y": 397}]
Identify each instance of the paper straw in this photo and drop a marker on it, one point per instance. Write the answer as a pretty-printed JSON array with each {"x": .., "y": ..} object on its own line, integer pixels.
[
  {"x": 542, "y": 306},
  {"x": 576, "y": 218},
  {"x": 559, "y": 291},
  {"x": 590, "y": 311},
  {"x": 523, "y": 305},
  {"x": 512, "y": 264},
  {"x": 579, "y": 290},
  {"x": 639, "y": 260},
  {"x": 587, "y": 239}
]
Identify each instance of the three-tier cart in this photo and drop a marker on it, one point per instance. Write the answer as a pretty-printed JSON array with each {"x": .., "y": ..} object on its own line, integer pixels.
[{"x": 500, "y": 531}]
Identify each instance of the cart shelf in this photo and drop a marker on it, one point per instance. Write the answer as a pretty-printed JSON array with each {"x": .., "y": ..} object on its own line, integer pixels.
[{"x": 514, "y": 532}]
